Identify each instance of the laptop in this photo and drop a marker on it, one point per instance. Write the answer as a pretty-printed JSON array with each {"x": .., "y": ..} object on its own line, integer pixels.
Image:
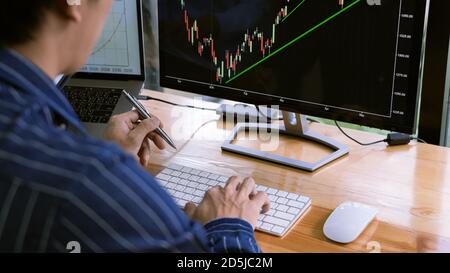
[{"x": 116, "y": 64}]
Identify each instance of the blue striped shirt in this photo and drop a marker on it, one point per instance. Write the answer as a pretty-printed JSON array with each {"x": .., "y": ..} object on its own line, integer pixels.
[{"x": 59, "y": 186}]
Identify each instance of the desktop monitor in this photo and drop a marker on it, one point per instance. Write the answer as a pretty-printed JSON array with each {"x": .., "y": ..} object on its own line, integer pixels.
[{"x": 356, "y": 61}]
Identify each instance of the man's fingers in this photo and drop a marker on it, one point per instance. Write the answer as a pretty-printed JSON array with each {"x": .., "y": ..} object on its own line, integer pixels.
[
  {"x": 131, "y": 116},
  {"x": 247, "y": 187},
  {"x": 189, "y": 209},
  {"x": 143, "y": 129},
  {"x": 262, "y": 201},
  {"x": 145, "y": 153},
  {"x": 159, "y": 142},
  {"x": 233, "y": 184}
]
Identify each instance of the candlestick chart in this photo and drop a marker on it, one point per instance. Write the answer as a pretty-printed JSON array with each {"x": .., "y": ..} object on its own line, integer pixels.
[{"x": 259, "y": 43}]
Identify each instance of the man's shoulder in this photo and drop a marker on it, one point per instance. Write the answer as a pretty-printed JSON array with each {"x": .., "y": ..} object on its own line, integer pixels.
[
  {"x": 13, "y": 99},
  {"x": 27, "y": 127}
]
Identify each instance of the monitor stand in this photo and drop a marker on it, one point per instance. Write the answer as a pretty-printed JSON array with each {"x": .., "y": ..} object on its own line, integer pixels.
[{"x": 294, "y": 125}]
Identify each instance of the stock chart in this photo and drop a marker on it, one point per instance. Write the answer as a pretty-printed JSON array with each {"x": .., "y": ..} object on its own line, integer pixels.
[{"x": 344, "y": 55}]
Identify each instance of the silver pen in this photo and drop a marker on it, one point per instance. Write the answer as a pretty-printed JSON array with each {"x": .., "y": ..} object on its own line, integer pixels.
[{"x": 146, "y": 115}]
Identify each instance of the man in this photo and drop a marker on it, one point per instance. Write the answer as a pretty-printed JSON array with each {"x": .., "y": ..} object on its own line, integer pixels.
[{"x": 59, "y": 186}]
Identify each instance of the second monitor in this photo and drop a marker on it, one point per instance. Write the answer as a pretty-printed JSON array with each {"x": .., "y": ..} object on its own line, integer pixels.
[{"x": 355, "y": 60}]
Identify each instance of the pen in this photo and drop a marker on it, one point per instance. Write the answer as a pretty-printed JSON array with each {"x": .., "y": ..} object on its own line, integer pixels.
[{"x": 146, "y": 115}]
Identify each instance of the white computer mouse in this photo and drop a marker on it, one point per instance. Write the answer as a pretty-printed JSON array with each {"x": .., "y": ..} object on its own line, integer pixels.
[{"x": 348, "y": 221}]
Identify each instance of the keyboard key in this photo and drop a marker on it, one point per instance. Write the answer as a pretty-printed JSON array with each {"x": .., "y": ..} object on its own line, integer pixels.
[
  {"x": 285, "y": 216},
  {"x": 199, "y": 193},
  {"x": 276, "y": 221},
  {"x": 194, "y": 172},
  {"x": 185, "y": 176},
  {"x": 178, "y": 194},
  {"x": 204, "y": 174},
  {"x": 171, "y": 185},
  {"x": 222, "y": 179},
  {"x": 303, "y": 199},
  {"x": 197, "y": 200},
  {"x": 189, "y": 190},
  {"x": 293, "y": 211},
  {"x": 180, "y": 188},
  {"x": 193, "y": 184},
  {"x": 184, "y": 182},
  {"x": 194, "y": 178},
  {"x": 282, "y": 201},
  {"x": 271, "y": 212},
  {"x": 176, "y": 167},
  {"x": 167, "y": 171},
  {"x": 278, "y": 230},
  {"x": 189, "y": 197},
  {"x": 163, "y": 176},
  {"x": 282, "y": 208},
  {"x": 295, "y": 204},
  {"x": 203, "y": 180},
  {"x": 176, "y": 173},
  {"x": 261, "y": 217},
  {"x": 282, "y": 194},
  {"x": 213, "y": 176},
  {"x": 186, "y": 170},
  {"x": 272, "y": 191},
  {"x": 267, "y": 226},
  {"x": 261, "y": 188},
  {"x": 107, "y": 107},
  {"x": 175, "y": 179},
  {"x": 203, "y": 187},
  {"x": 273, "y": 198},
  {"x": 292, "y": 196},
  {"x": 182, "y": 203}
]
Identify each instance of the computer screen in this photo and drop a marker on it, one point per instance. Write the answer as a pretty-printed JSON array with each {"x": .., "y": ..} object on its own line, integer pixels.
[
  {"x": 350, "y": 60},
  {"x": 118, "y": 48}
]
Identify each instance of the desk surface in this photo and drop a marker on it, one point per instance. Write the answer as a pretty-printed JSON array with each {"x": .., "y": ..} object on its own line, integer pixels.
[{"x": 410, "y": 185}]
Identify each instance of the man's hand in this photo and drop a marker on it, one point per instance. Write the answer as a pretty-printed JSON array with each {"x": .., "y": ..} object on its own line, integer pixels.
[
  {"x": 134, "y": 136},
  {"x": 237, "y": 200}
]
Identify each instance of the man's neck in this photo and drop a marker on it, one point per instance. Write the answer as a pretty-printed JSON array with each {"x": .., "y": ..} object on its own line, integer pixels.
[{"x": 42, "y": 55}]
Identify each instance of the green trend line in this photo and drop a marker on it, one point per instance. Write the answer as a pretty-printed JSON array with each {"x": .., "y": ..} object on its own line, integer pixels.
[
  {"x": 301, "y": 3},
  {"x": 294, "y": 41}
]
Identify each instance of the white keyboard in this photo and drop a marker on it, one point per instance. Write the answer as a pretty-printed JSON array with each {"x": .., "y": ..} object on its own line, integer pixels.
[{"x": 190, "y": 185}]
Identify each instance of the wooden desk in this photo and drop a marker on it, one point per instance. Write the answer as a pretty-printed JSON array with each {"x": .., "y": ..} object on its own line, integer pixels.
[{"x": 410, "y": 185}]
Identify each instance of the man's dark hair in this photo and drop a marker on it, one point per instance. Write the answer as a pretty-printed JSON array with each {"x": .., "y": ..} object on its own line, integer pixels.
[{"x": 19, "y": 19}]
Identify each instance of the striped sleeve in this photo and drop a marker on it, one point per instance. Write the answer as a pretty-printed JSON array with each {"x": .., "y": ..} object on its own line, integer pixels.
[{"x": 231, "y": 235}]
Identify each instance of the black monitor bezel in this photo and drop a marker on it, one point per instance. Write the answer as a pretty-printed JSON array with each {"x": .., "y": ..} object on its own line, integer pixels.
[
  {"x": 319, "y": 111},
  {"x": 112, "y": 76}
]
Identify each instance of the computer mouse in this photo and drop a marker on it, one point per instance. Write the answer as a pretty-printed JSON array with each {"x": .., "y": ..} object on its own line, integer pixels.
[{"x": 348, "y": 221}]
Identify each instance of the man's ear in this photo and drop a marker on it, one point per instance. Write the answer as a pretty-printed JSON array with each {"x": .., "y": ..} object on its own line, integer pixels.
[
  {"x": 73, "y": 2},
  {"x": 71, "y": 9}
]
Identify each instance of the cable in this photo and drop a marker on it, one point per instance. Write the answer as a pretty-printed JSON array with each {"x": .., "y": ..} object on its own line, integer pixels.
[
  {"x": 360, "y": 143},
  {"x": 192, "y": 136},
  {"x": 175, "y": 104},
  {"x": 393, "y": 139},
  {"x": 419, "y": 140}
]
